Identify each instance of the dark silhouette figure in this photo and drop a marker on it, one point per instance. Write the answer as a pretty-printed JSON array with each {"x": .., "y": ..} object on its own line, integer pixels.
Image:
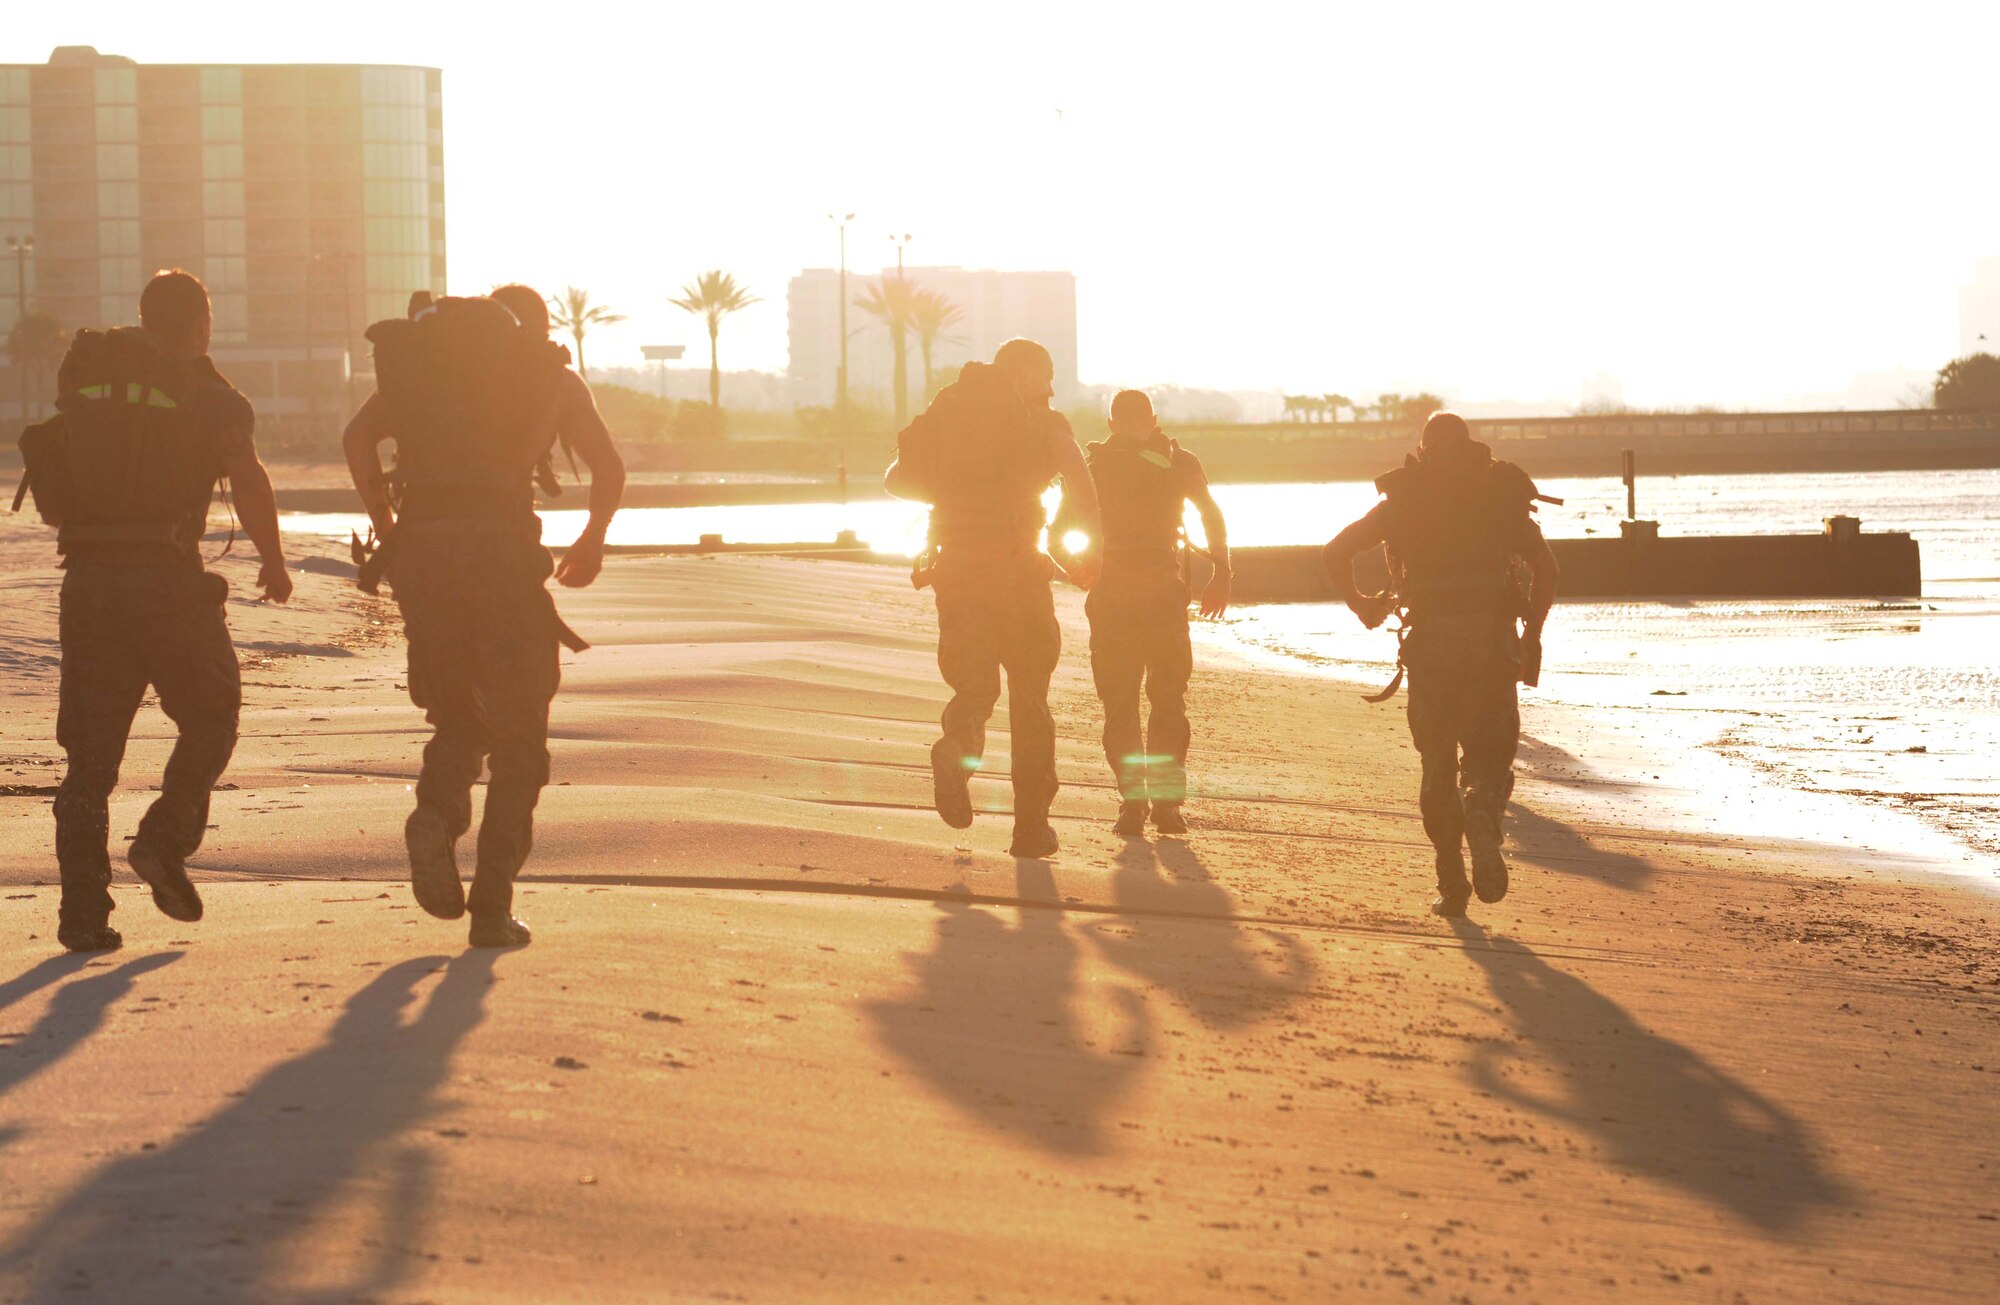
[
  {"x": 981, "y": 455},
  {"x": 1457, "y": 528},
  {"x": 215, "y": 1215},
  {"x": 125, "y": 472},
  {"x": 991, "y": 1025},
  {"x": 1658, "y": 1108},
  {"x": 75, "y": 1012},
  {"x": 1203, "y": 956},
  {"x": 1139, "y": 608},
  {"x": 38, "y": 976},
  {"x": 475, "y": 396}
]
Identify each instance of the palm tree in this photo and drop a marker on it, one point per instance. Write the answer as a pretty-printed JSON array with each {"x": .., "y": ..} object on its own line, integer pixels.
[
  {"x": 930, "y": 314},
  {"x": 35, "y": 343},
  {"x": 892, "y": 301},
  {"x": 576, "y": 314},
  {"x": 714, "y": 295}
]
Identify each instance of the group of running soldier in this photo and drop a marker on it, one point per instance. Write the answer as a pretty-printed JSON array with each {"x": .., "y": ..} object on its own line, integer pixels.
[{"x": 476, "y": 397}]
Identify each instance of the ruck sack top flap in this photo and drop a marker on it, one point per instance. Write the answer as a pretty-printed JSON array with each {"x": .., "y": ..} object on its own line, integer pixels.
[
  {"x": 1455, "y": 527},
  {"x": 125, "y": 461},
  {"x": 987, "y": 459},
  {"x": 472, "y": 402}
]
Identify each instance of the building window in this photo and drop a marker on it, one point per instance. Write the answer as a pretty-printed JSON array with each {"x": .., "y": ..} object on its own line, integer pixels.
[
  {"x": 118, "y": 199},
  {"x": 232, "y": 318},
  {"x": 117, "y": 162},
  {"x": 225, "y": 275},
  {"x": 118, "y": 276},
  {"x": 222, "y": 86},
  {"x": 118, "y": 239},
  {"x": 118, "y": 123},
  {"x": 222, "y": 198},
  {"x": 223, "y": 236},
  {"x": 13, "y": 85},
  {"x": 17, "y": 201},
  {"x": 222, "y": 162},
  {"x": 222, "y": 122},
  {"x": 14, "y": 124},
  {"x": 117, "y": 85}
]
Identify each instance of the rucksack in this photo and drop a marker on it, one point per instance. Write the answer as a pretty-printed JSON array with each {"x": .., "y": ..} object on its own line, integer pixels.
[
  {"x": 473, "y": 403},
  {"x": 125, "y": 459},
  {"x": 1453, "y": 532},
  {"x": 985, "y": 454}
]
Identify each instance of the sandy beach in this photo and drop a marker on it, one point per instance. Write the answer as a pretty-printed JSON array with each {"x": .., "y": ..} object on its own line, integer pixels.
[{"x": 783, "y": 1036}]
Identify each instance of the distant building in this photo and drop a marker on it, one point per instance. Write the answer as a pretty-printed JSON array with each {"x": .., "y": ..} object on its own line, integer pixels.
[
  {"x": 1979, "y": 310},
  {"x": 309, "y": 198},
  {"x": 996, "y": 307}
]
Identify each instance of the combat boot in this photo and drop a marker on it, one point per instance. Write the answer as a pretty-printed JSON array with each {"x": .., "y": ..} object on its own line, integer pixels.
[
  {"x": 1453, "y": 891},
  {"x": 89, "y": 937},
  {"x": 498, "y": 929},
  {"x": 165, "y": 872},
  {"x": 433, "y": 864},
  {"x": 1167, "y": 818},
  {"x": 1131, "y": 818},
  {"x": 1489, "y": 867},
  {"x": 950, "y": 790}
]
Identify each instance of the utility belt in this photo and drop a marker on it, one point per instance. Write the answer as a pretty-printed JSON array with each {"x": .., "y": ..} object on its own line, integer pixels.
[
  {"x": 373, "y": 556},
  {"x": 488, "y": 503}
]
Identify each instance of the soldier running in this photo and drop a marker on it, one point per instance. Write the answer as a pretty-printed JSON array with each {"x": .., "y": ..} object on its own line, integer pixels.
[
  {"x": 1459, "y": 531},
  {"x": 145, "y": 427},
  {"x": 981, "y": 455},
  {"x": 475, "y": 395},
  {"x": 1139, "y": 608}
]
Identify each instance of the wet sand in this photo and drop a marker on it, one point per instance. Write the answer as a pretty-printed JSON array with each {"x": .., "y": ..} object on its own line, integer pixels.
[{"x": 784, "y": 1036}]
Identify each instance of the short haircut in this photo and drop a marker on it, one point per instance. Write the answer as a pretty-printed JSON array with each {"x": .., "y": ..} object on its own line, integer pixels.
[
  {"x": 528, "y": 307},
  {"x": 419, "y": 301},
  {"x": 1445, "y": 428},
  {"x": 1025, "y": 357},
  {"x": 174, "y": 305},
  {"x": 1131, "y": 405}
]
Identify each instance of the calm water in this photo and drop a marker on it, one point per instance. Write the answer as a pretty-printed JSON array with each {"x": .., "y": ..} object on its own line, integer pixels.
[{"x": 1888, "y": 710}]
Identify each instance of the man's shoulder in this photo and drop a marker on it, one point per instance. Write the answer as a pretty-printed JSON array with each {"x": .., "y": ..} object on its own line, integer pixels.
[
  {"x": 1186, "y": 462},
  {"x": 223, "y": 408}
]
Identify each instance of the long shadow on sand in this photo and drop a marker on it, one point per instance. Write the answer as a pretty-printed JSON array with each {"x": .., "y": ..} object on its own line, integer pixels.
[
  {"x": 222, "y": 1213},
  {"x": 1209, "y": 962},
  {"x": 1658, "y": 1109},
  {"x": 75, "y": 1012},
  {"x": 1544, "y": 841},
  {"x": 992, "y": 1025}
]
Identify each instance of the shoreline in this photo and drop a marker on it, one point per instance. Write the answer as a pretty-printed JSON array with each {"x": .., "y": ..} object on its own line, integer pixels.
[{"x": 782, "y": 1035}]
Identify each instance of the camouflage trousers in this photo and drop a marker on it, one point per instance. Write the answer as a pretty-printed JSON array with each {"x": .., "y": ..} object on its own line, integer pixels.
[
  {"x": 125, "y": 629},
  {"x": 1139, "y": 644},
  {"x": 1465, "y": 719},
  {"x": 484, "y": 667},
  {"x": 994, "y": 618}
]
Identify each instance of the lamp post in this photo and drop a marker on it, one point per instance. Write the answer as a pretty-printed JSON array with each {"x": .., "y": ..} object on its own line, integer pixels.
[
  {"x": 840, "y": 386},
  {"x": 21, "y": 246},
  {"x": 904, "y": 240}
]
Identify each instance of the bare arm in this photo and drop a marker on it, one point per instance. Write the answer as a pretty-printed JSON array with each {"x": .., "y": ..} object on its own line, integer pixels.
[
  {"x": 257, "y": 505},
  {"x": 1338, "y": 558},
  {"x": 1080, "y": 508},
  {"x": 361, "y": 442},
  {"x": 1215, "y": 597},
  {"x": 591, "y": 439}
]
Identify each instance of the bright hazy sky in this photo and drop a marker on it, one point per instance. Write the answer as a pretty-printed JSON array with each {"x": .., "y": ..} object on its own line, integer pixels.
[{"x": 1713, "y": 203}]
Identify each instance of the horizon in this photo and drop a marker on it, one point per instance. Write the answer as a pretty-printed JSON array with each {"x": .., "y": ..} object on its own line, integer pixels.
[{"x": 1729, "y": 224}]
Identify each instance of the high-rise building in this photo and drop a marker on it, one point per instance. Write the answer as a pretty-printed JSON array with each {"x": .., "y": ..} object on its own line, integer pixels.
[
  {"x": 1979, "y": 310},
  {"x": 994, "y": 307},
  {"x": 309, "y": 198}
]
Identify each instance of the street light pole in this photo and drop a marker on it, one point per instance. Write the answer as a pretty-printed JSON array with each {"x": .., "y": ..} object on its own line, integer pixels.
[
  {"x": 907, "y": 238},
  {"x": 840, "y": 388},
  {"x": 22, "y": 246}
]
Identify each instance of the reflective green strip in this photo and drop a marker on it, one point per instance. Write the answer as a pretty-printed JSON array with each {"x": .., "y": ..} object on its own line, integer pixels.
[
  {"x": 159, "y": 400},
  {"x": 95, "y": 391}
]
